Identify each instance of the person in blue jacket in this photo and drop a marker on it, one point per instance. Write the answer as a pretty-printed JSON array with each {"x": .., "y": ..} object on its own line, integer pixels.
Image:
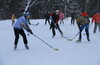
[{"x": 19, "y": 25}]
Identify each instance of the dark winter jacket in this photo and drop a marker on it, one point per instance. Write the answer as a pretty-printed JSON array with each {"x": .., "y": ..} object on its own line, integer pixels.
[
  {"x": 55, "y": 18},
  {"x": 47, "y": 16},
  {"x": 73, "y": 15}
]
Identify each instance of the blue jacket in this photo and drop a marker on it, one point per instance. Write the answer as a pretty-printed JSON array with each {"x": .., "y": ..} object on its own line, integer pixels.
[{"x": 21, "y": 21}]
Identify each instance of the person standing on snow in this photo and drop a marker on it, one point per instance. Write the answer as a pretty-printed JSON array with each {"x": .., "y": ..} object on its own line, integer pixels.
[
  {"x": 61, "y": 17},
  {"x": 96, "y": 20},
  {"x": 82, "y": 23},
  {"x": 54, "y": 23},
  {"x": 20, "y": 24},
  {"x": 13, "y": 19},
  {"x": 47, "y": 17},
  {"x": 72, "y": 18}
]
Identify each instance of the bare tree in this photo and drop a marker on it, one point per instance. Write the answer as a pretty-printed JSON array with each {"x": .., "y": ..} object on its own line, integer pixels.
[
  {"x": 39, "y": 7},
  {"x": 26, "y": 4}
]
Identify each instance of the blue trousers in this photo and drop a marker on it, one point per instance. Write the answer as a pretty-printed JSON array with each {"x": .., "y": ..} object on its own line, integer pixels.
[{"x": 86, "y": 26}]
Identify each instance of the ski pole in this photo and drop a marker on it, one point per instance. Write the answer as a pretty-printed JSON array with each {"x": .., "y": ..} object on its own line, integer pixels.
[
  {"x": 45, "y": 42},
  {"x": 73, "y": 37}
]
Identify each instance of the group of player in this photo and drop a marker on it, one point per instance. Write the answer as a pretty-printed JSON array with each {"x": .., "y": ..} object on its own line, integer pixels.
[{"x": 82, "y": 21}]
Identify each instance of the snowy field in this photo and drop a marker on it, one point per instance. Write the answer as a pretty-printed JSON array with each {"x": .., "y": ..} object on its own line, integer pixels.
[{"x": 70, "y": 52}]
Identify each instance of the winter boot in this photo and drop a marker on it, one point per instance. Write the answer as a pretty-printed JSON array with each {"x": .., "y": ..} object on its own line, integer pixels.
[
  {"x": 78, "y": 40},
  {"x": 88, "y": 36},
  {"x": 88, "y": 39},
  {"x": 26, "y": 46},
  {"x": 15, "y": 47},
  {"x": 53, "y": 36},
  {"x": 62, "y": 35}
]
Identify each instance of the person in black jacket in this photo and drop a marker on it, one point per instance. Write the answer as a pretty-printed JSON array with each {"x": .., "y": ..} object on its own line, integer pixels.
[
  {"x": 54, "y": 23},
  {"x": 47, "y": 16},
  {"x": 73, "y": 18}
]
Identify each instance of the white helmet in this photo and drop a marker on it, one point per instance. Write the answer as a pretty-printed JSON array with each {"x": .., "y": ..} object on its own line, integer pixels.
[{"x": 57, "y": 10}]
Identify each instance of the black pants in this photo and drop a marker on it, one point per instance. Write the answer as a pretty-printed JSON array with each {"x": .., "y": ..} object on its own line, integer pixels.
[
  {"x": 72, "y": 20},
  {"x": 46, "y": 21},
  {"x": 53, "y": 28},
  {"x": 95, "y": 27},
  {"x": 21, "y": 32}
]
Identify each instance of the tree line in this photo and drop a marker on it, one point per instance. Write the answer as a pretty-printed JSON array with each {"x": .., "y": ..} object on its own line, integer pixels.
[{"x": 38, "y": 8}]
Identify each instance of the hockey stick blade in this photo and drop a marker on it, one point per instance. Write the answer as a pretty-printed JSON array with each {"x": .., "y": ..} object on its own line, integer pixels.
[
  {"x": 37, "y": 24},
  {"x": 56, "y": 49},
  {"x": 65, "y": 37},
  {"x": 69, "y": 39}
]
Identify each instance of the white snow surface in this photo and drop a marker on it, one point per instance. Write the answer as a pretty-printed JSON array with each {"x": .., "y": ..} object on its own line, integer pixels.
[{"x": 70, "y": 52}]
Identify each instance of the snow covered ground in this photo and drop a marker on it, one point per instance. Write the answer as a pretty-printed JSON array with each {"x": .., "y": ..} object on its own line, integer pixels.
[{"x": 70, "y": 52}]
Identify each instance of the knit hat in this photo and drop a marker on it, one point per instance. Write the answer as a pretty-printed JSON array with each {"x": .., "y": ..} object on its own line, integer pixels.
[{"x": 26, "y": 14}]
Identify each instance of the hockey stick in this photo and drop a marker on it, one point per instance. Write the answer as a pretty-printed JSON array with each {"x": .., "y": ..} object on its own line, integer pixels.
[
  {"x": 46, "y": 43},
  {"x": 77, "y": 34},
  {"x": 73, "y": 37},
  {"x": 35, "y": 24}
]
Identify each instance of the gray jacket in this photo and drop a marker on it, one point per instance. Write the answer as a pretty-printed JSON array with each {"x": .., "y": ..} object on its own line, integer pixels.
[{"x": 81, "y": 20}]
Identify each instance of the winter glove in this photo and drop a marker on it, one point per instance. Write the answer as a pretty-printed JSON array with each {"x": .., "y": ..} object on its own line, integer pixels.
[
  {"x": 29, "y": 23},
  {"x": 30, "y": 31}
]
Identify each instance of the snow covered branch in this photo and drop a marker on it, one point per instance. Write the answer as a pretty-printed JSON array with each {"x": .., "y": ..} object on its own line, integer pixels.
[{"x": 26, "y": 8}]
